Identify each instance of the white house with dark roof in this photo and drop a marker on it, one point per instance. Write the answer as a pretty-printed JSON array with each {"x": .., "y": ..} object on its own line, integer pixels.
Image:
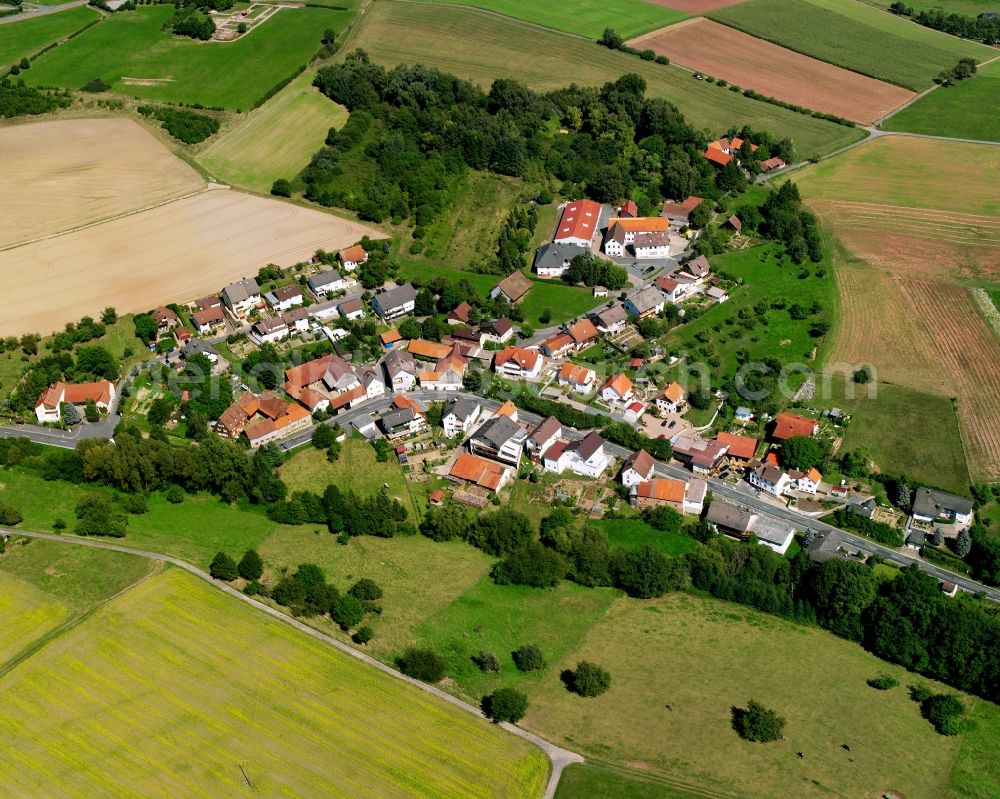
[
  {"x": 459, "y": 416},
  {"x": 499, "y": 438},
  {"x": 329, "y": 282},
  {"x": 284, "y": 298},
  {"x": 543, "y": 436},
  {"x": 930, "y": 505},
  {"x": 638, "y": 468},
  {"x": 241, "y": 296},
  {"x": 553, "y": 259},
  {"x": 585, "y": 456},
  {"x": 611, "y": 320},
  {"x": 768, "y": 477},
  {"x": 395, "y": 302},
  {"x": 401, "y": 370},
  {"x": 645, "y": 302}
]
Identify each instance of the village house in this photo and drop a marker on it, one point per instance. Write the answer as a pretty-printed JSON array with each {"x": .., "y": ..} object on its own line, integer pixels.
[
  {"x": 371, "y": 380},
  {"x": 634, "y": 411},
  {"x": 323, "y": 311},
  {"x": 583, "y": 333},
  {"x": 547, "y": 432},
  {"x": 206, "y": 303},
  {"x": 553, "y": 259},
  {"x": 318, "y": 383},
  {"x": 352, "y": 257},
  {"x": 499, "y": 438},
  {"x": 447, "y": 373},
  {"x": 269, "y": 330},
  {"x": 790, "y": 425},
  {"x": 638, "y": 468},
  {"x": 242, "y": 296},
  {"x": 671, "y": 398},
  {"x": 49, "y": 405},
  {"x": 717, "y": 294},
  {"x": 652, "y": 245},
  {"x": 629, "y": 210},
  {"x": 578, "y": 223},
  {"x": 722, "y": 151},
  {"x": 585, "y": 456},
  {"x": 296, "y": 319},
  {"x": 498, "y": 332},
  {"x": 611, "y": 320},
  {"x": 166, "y": 320},
  {"x": 768, "y": 477},
  {"x": 741, "y": 449},
  {"x": 284, "y": 298},
  {"x": 676, "y": 287},
  {"x": 396, "y": 302},
  {"x": 930, "y": 505},
  {"x": 697, "y": 268},
  {"x": 623, "y": 232},
  {"x": 484, "y": 473},
  {"x": 391, "y": 339},
  {"x": 770, "y": 164},
  {"x": 209, "y": 319},
  {"x": 328, "y": 283},
  {"x": 739, "y": 523},
  {"x": 617, "y": 389},
  {"x": 579, "y": 378},
  {"x": 460, "y": 314},
  {"x": 680, "y": 213},
  {"x": 401, "y": 422},
  {"x": 701, "y": 455},
  {"x": 682, "y": 496},
  {"x": 262, "y": 418},
  {"x": 645, "y": 302},
  {"x": 459, "y": 416},
  {"x": 513, "y": 288},
  {"x": 806, "y": 482},
  {"x": 352, "y": 309},
  {"x": 518, "y": 363},
  {"x": 558, "y": 345},
  {"x": 401, "y": 369},
  {"x": 825, "y": 545}
]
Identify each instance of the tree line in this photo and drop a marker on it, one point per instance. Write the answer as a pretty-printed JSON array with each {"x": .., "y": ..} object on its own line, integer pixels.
[{"x": 983, "y": 28}]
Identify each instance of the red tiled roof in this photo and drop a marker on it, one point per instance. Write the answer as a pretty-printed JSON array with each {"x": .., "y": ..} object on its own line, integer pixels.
[
  {"x": 788, "y": 425},
  {"x": 477, "y": 470},
  {"x": 642, "y": 224},
  {"x": 583, "y": 331},
  {"x": 620, "y": 383},
  {"x": 741, "y": 447},
  {"x": 355, "y": 254},
  {"x": 526, "y": 359},
  {"x": 573, "y": 373},
  {"x": 579, "y": 220},
  {"x": 716, "y": 156},
  {"x": 663, "y": 489}
]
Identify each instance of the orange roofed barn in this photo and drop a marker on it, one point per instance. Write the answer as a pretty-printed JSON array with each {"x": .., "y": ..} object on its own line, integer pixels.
[
  {"x": 741, "y": 448},
  {"x": 48, "y": 408},
  {"x": 480, "y": 471},
  {"x": 578, "y": 223}
]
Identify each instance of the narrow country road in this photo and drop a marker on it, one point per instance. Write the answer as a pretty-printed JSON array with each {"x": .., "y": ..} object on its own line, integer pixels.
[{"x": 558, "y": 758}]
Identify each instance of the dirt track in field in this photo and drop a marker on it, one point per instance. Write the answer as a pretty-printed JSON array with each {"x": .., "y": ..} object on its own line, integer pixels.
[
  {"x": 60, "y": 174},
  {"x": 171, "y": 253},
  {"x": 775, "y": 71},
  {"x": 695, "y": 6}
]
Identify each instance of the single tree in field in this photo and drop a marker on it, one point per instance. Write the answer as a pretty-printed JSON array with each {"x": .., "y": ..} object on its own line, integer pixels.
[
  {"x": 757, "y": 723},
  {"x": 588, "y": 679},
  {"x": 251, "y": 566},
  {"x": 109, "y": 316},
  {"x": 505, "y": 704}
]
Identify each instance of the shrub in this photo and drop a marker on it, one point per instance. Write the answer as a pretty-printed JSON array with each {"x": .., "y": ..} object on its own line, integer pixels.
[
  {"x": 757, "y": 723},
  {"x": 528, "y": 658},
  {"x": 175, "y": 495},
  {"x": 945, "y": 712},
  {"x": 421, "y": 664},
  {"x": 186, "y": 126},
  {"x": 588, "y": 679},
  {"x": 363, "y": 635},
  {"x": 366, "y": 590},
  {"x": 347, "y": 611},
  {"x": 883, "y": 682},
  {"x": 487, "y": 661},
  {"x": 251, "y": 567},
  {"x": 505, "y": 704},
  {"x": 135, "y": 504},
  {"x": 533, "y": 564},
  {"x": 59, "y": 525},
  {"x": 255, "y": 588},
  {"x": 9, "y": 515},
  {"x": 223, "y": 567},
  {"x": 95, "y": 86},
  {"x": 281, "y": 188}
]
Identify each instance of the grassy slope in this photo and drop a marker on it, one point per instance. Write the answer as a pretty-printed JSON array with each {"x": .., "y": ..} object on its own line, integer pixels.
[
  {"x": 633, "y": 533},
  {"x": 213, "y": 74},
  {"x": 482, "y": 47},
  {"x": 189, "y": 676},
  {"x": 853, "y": 36},
  {"x": 585, "y": 17},
  {"x": 275, "y": 141},
  {"x": 26, "y": 37},
  {"x": 590, "y": 781},
  {"x": 968, "y": 7},
  {"x": 679, "y": 664},
  {"x": 976, "y": 773},
  {"x": 965, "y": 110}
]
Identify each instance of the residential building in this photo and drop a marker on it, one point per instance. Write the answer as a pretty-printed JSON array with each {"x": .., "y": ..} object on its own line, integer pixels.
[
  {"x": 615, "y": 242},
  {"x": 484, "y": 473},
  {"x": 351, "y": 309},
  {"x": 629, "y": 210},
  {"x": 513, "y": 288},
  {"x": 447, "y": 373},
  {"x": 717, "y": 294},
  {"x": 323, "y": 311},
  {"x": 558, "y": 345},
  {"x": 460, "y": 315},
  {"x": 638, "y": 468},
  {"x": 508, "y": 409},
  {"x": 617, "y": 389},
  {"x": 634, "y": 411},
  {"x": 553, "y": 259},
  {"x": 49, "y": 405},
  {"x": 499, "y": 438},
  {"x": 645, "y": 302},
  {"x": 317, "y": 384},
  {"x": 579, "y": 378},
  {"x": 395, "y": 302},
  {"x": 518, "y": 363},
  {"x": 371, "y": 381},
  {"x": 930, "y": 505},
  {"x": 269, "y": 330},
  {"x": 768, "y": 477},
  {"x": 401, "y": 369},
  {"x": 284, "y": 298},
  {"x": 806, "y": 482},
  {"x": 671, "y": 399},
  {"x": 209, "y": 319},
  {"x": 578, "y": 223},
  {"x": 683, "y": 496},
  {"x": 242, "y": 296},
  {"x": 206, "y": 303},
  {"x": 631, "y": 228},
  {"x": 459, "y": 416},
  {"x": 734, "y": 521},
  {"x": 652, "y": 245},
  {"x": 585, "y": 456},
  {"x": 790, "y": 425},
  {"x": 825, "y": 545},
  {"x": 741, "y": 449},
  {"x": 677, "y": 287},
  {"x": 543, "y": 436},
  {"x": 697, "y": 268},
  {"x": 166, "y": 320},
  {"x": 862, "y": 506},
  {"x": 771, "y": 164},
  {"x": 583, "y": 333},
  {"x": 329, "y": 282},
  {"x": 352, "y": 257},
  {"x": 611, "y": 320},
  {"x": 498, "y": 332},
  {"x": 296, "y": 319},
  {"x": 680, "y": 213},
  {"x": 262, "y": 418},
  {"x": 401, "y": 422},
  {"x": 722, "y": 151},
  {"x": 701, "y": 455}
]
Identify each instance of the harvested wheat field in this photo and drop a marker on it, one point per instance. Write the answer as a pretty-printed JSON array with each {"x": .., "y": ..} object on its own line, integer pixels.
[
  {"x": 770, "y": 69},
  {"x": 169, "y": 253},
  {"x": 913, "y": 238},
  {"x": 695, "y": 6},
  {"x": 67, "y": 173}
]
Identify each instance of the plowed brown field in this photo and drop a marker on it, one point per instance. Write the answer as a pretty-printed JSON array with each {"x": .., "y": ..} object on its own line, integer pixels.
[
  {"x": 752, "y": 63},
  {"x": 170, "y": 253}
]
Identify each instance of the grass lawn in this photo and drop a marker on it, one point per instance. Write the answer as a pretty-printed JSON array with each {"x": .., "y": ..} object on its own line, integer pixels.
[
  {"x": 854, "y": 36},
  {"x": 26, "y": 37},
  {"x": 174, "y": 69},
  {"x": 500, "y": 618},
  {"x": 419, "y": 577},
  {"x": 960, "y": 110},
  {"x": 262, "y": 146},
  {"x": 679, "y": 664},
  {"x": 976, "y": 773},
  {"x": 356, "y": 470},
  {"x": 766, "y": 276},
  {"x": 634, "y": 533},
  {"x": 590, "y": 781},
  {"x": 482, "y": 47},
  {"x": 189, "y": 676},
  {"x": 563, "y": 302},
  {"x": 585, "y": 17},
  {"x": 887, "y": 426}
]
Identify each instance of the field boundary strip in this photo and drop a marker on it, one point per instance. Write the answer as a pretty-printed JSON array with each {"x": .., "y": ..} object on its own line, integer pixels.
[
  {"x": 558, "y": 757},
  {"x": 491, "y": 12}
]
